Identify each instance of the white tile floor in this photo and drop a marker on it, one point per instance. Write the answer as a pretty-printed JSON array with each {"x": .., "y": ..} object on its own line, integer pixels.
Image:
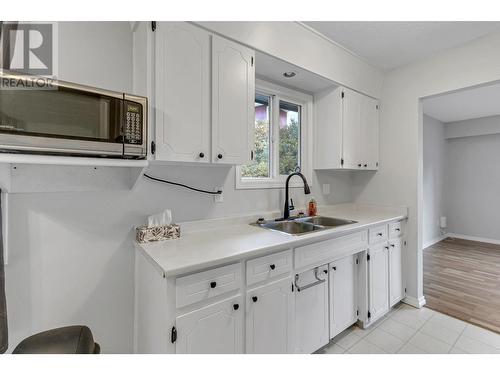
[{"x": 407, "y": 330}]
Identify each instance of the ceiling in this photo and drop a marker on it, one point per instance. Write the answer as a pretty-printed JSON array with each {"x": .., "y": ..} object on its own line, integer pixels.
[
  {"x": 389, "y": 45},
  {"x": 271, "y": 69},
  {"x": 466, "y": 104}
]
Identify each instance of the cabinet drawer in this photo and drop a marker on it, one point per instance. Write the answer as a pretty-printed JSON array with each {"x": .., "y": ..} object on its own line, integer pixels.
[
  {"x": 204, "y": 285},
  {"x": 378, "y": 234},
  {"x": 269, "y": 266},
  {"x": 395, "y": 230},
  {"x": 321, "y": 252}
]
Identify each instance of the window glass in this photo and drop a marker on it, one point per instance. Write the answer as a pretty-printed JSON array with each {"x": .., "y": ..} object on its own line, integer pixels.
[
  {"x": 289, "y": 137},
  {"x": 260, "y": 167}
]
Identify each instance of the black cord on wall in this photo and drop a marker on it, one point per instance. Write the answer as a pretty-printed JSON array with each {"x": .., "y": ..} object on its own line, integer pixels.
[{"x": 218, "y": 192}]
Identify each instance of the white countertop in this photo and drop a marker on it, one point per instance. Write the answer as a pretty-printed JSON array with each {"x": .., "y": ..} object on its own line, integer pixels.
[{"x": 209, "y": 243}]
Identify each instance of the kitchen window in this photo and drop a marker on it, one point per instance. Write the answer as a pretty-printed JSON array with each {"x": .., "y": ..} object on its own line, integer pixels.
[{"x": 282, "y": 127}]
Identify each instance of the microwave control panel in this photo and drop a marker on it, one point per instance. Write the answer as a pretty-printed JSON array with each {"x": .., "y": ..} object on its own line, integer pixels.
[{"x": 133, "y": 123}]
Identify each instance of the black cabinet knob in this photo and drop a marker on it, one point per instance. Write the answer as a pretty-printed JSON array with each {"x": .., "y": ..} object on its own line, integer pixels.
[
  {"x": 254, "y": 298},
  {"x": 366, "y": 165},
  {"x": 386, "y": 247},
  {"x": 379, "y": 234},
  {"x": 359, "y": 165},
  {"x": 236, "y": 306},
  {"x": 325, "y": 271},
  {"x": 392, "y": 245},
  {"x": 219, "y": 156},
  {"x": 202, "y": 155},
  {"x": 213, "y": 284},
  {"x": 334, "y": 268},
  {"x": 398, "y": 230},
  {"x": 272, "y": 266}
]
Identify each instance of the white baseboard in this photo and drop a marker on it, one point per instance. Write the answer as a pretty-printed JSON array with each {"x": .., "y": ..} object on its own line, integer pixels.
[
  {"x": 474, "y": 238},
  {"x": 435, "y": 240},
  {"x": 415, "y": 302}
]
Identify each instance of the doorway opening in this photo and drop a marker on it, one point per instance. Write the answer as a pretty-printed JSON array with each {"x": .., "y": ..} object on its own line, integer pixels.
[{"x": 461, "y": 201}]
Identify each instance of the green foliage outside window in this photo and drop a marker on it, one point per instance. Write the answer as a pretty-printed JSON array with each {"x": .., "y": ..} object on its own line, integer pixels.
[
  {"x": 289, "y": 147},
  {"x": 260, "y": 165}
]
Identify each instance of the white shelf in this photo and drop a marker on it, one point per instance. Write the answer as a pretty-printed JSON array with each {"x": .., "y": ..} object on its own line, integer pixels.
[
  {"x": 21, "y": 173},
  {"x": 71, "y": 160}
]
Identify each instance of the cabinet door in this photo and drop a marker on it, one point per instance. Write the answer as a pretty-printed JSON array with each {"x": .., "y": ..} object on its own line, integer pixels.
[
  {"x": 233, "y": 95},
  {"x": 378, "y": 271},
  {"x": 351, "y": 129},
  {"x": 182, "y": 67},
  {"x": 396, "y": 290},
  {"x": 269, "y": 318},
  {"x": 214, "y": 329},
  {"x": 369, "y": 134},
  {"x": 343, "y": 294},
  {"x": 311, "y": 313}
]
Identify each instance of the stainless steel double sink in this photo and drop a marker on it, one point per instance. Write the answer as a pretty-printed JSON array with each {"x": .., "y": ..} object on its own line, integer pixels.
[{"x": 303, "y": 225}]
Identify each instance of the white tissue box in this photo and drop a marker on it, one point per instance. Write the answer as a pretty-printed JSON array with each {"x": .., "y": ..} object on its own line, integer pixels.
[{"x": 158, "y": 233}]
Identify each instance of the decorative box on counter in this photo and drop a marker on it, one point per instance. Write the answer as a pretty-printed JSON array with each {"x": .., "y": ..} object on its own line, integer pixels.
[{"x": 158, "y": 233}]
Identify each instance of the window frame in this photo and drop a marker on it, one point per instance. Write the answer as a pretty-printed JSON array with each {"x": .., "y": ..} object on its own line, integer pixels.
[{"x": 305, "y": 101}]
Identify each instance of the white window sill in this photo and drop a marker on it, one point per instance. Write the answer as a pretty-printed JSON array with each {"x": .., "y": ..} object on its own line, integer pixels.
[{"x": 255, "y": 183}]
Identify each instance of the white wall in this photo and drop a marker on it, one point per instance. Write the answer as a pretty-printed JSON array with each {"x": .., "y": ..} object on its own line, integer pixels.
[
  {"x": 295, "y": 44},
  {"x": 400, "y": 177},
  {"x": 473, "y": 186},
  {"x": 433, "y": 175},
  {"x": 478, "y": 126},
  {"x": 71, "y": 254}
]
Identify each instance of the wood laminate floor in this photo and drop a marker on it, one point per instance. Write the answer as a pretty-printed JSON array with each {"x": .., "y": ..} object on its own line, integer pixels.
[{"x": 462, "y": 279}]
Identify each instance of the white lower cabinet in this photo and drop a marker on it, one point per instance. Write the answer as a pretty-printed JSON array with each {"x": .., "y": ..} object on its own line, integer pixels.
[
  {"x": 396, "y": 288},
  {"x": 378, "y": 281},
  {"x": 343, "y": 294},
  {"x": 311, "y": 310},
  {"x": 269, "y": 318},
  {"x": 277, "y": 307},
  {"x": 213, "y": 329}
]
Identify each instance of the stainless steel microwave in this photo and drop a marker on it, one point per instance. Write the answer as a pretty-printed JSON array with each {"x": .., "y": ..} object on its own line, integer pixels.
[{"x": 71, "y": 119}]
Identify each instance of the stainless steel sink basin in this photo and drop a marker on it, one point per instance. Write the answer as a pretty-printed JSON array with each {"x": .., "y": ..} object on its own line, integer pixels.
[
  {"x": 291, "y": 227},
  {"x": 326, "y": 221},
  {"x": 304, "y": 225}
]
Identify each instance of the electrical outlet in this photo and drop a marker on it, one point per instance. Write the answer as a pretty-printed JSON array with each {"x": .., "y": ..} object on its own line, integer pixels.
[
  {"x": 326, "y": 189},
  {"x": 219, "y": 198}
]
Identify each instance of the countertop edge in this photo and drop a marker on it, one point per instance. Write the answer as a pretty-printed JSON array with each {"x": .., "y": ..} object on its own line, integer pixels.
[{"x": 289, "y": 242}]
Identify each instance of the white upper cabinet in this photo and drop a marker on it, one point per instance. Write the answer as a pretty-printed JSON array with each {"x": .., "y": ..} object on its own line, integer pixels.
[
  {"x": 204, "y": 96},
  {"x": 233, "y": 93},
  {"x": 182, "y": 92},
  {"x": 346, "y": 130}
]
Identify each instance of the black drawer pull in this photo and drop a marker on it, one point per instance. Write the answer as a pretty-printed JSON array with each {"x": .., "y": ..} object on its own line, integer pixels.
[
  {"x": 379, "y": 234},
  {"x": 392, "y": 245},
  {"x": 202, "y": 155},
  {"x": 236, "y": 306},
  {"x": 213, "y": 284},
  {"x": 219, "y": 156},
  {"x": 398, "y": 230},
  {"x": 272, "y": 266},
  {"x": 254, "y": 298}
]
